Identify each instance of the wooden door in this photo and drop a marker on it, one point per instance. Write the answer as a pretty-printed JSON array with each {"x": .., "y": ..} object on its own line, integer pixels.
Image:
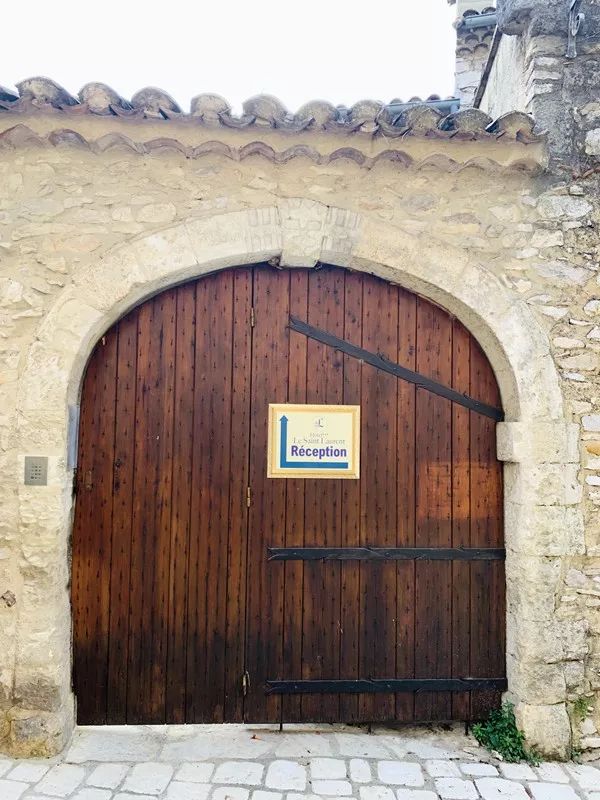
[{"x": 182, "y": 612}]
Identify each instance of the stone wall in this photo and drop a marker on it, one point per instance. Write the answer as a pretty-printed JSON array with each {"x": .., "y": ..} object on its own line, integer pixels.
[
  {"x": 87, "y": 230},
  {"x": 472, "y": 48},
  {"x": 506, "y": 87},
  {"x": 561, "y": 93}
]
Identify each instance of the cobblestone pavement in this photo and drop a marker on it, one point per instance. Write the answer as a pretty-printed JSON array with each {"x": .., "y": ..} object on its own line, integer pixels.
[{"x": 236, "y": 762}]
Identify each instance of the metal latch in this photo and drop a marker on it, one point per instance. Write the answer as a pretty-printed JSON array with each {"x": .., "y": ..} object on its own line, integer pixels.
[{"x": 245, "y": 683}]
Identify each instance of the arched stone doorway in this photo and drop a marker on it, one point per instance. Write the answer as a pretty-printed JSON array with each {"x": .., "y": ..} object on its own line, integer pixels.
[
  {"x": 205, "y": 591},
  {"x": 537, "y": 441}
]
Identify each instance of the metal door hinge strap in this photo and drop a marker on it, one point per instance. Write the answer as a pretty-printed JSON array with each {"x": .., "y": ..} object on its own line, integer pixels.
[
  {"x": 386, "y": 553},
  {"x": 252, "y": 317},
  {"x": 383, "y": 364},
  {"x": 373, "y": 686},
  {"x": 248, "y": 497}
]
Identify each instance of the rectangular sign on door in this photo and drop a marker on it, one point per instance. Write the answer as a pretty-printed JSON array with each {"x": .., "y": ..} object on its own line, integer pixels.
[{"x": 313, "y": 441}]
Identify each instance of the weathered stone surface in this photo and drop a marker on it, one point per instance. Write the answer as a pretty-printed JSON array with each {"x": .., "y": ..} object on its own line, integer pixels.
[
  {"x": 90, "y": 234},
  {"x": 557, "y": 206},
  {"x": 592, "y": 142},
  {"x": 548, "y": 727}
]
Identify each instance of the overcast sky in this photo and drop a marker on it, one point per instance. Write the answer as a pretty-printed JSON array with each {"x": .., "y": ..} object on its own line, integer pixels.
[{"x": 298, "y": 50}]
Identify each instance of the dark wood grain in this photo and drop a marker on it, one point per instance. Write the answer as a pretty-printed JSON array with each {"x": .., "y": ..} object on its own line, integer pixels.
[
  {"x": 351, "y": 498},
  {"x": 369, "y": 585},
  {"x": 405, "y": 534},
  {"x": 237, "y": 534},
  {"x": 122, "y": 500},
  {"x": 379, "y": 496},
  {"x": 433, "y": 597},
  {"x": 183, "y": 451},
  {"x": 294, "y": 516},
  {"x": 265, "y": 601},
  {"x": 461, "y": 518}
]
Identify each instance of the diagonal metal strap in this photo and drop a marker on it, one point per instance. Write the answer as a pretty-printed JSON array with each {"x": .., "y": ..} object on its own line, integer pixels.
[{"x": 383, "y": 364}]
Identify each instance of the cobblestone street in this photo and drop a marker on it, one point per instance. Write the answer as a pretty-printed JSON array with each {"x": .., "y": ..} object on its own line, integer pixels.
[{"x": 235, "y": 762}]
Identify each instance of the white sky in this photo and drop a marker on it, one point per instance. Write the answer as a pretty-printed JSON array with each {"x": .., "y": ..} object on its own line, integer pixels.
[{"x": 298, "y": 50}]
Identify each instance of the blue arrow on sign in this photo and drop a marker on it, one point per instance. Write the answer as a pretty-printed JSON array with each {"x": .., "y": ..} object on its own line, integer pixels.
[{"x": 285, "y": 464}]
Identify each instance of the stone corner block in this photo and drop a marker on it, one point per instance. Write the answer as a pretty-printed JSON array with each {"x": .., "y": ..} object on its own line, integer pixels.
[
  {"x": 546, "y": 728},
  {"x": 553, "y": 442},
  {"x": 38, "y": 734}
]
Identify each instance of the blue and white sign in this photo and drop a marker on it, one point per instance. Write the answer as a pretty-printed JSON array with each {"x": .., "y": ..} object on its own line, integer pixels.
[{"x": 313, "y": 441}]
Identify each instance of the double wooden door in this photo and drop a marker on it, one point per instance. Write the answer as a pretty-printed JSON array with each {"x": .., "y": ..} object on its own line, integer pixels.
[{"x": 180, "y": 615}]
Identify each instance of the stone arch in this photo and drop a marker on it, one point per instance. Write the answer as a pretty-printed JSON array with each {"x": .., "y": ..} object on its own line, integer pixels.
[{"x": 537, "y": 442}]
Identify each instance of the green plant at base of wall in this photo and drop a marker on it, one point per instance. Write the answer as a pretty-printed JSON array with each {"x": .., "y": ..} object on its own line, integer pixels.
[
  {"x": 500, "y": 734},
  {"x": 580, "y": 708}
]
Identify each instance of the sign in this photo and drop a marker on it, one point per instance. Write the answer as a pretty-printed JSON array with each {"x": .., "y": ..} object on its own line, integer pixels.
[{"x": 308, "y": 441}]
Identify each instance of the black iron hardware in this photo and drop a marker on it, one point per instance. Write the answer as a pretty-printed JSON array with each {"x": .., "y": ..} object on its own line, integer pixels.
[
  {"x": 377, "y": 685},
  {"x": 383, "y": 364},
  {"x": 386, "y": 553},
  {"x": 576, "y": 19}
]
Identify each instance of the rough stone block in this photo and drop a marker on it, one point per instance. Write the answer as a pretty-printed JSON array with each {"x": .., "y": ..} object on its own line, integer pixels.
[
  {"x": 547, "y": 728},
  {"x": 544, "y": 530},
  {"x": 551, "y": 484},
  {"x": 540, "y": 441}
]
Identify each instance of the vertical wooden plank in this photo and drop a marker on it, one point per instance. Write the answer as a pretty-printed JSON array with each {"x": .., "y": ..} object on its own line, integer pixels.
[
  {"x": 86, "y": 599},
  {"x": 151, "y": 511},
  {"x": 379, "y": 495},
  {"x": 183, "y": 446},
  {"x": 122, "y": 515},
  {"x": 350, "y": 570},
  {"x": 93, "y": 556},
  {"x": 266, "y": 525},
  {"x": 321, "y": 623},
  {"x": 461, "y": 518},
  {"x": 434, "y": 510},
  {"x": 142, "y": 520},
  {"x": 162, "y": 431},
  {"x": 207, "y": 585},
  {"x": 237, "y": 541},
  {"x": 294, "y": 517},
  {"x": 487, "y": 578},
  {"x": 405, "y": 571},
  {"x": 84, "y": 548}
]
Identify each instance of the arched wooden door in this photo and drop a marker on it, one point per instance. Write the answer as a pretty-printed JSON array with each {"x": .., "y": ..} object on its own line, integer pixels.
[{"x": 179, "y": 615}]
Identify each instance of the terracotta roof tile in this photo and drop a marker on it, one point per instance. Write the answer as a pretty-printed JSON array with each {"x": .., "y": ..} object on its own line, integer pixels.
[{"x": 367, "y": 117}]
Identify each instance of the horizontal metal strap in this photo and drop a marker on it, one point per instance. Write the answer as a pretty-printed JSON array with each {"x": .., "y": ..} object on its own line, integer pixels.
[
  {"x": 386, "y": 553},
  {"x": 377, "y": 685},
  {"x": 385, "y": 365}
]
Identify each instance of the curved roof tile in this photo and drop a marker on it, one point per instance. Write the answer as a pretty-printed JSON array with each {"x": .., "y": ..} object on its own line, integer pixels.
[{"x": 368, "y": 117}]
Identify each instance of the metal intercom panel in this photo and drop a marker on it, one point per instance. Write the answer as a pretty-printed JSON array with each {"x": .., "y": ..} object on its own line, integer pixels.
[{"x": 36, "y": 470}]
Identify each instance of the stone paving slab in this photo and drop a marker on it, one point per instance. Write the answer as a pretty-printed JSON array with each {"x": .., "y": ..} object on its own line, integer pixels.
[{"x": 254, "y": 762}]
